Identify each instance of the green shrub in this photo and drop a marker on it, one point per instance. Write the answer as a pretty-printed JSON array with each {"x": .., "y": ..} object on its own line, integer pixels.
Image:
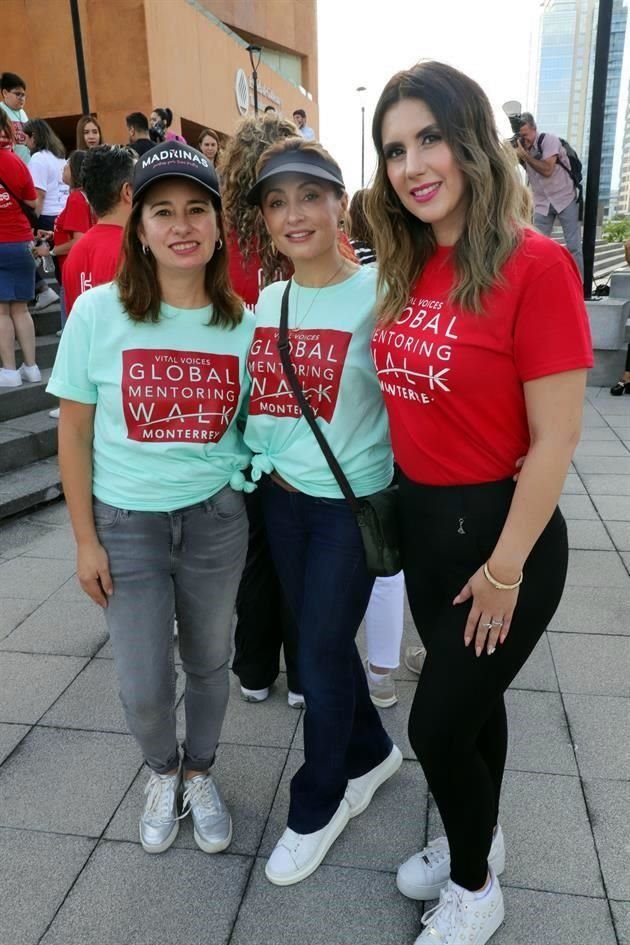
[{"x": 616, "y": 231}]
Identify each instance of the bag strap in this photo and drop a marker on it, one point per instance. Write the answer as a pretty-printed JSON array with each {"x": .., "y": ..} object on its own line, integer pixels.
[
  {"x": 305, "y": 407},
  {"x": 541, "y": 138},
  {"x": 28, "y": 212}
]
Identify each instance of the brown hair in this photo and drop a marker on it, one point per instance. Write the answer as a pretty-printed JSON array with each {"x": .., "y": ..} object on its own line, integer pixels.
[
  {"x": 6, "y": 125},
  {"x": 494, "y": 220},
  {"x": 82, "y": 122},
  {"x": 213, "y": 134},
  {"x": 360, "y": 228},
  {"x": 139, "y": 287}
]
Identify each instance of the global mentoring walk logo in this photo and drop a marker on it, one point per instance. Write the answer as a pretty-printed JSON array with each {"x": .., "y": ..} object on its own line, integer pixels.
[{"x": 178, "y": 396}]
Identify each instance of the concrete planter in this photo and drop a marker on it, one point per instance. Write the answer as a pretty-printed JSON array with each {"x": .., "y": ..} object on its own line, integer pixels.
[{"x": 608, "y": 317}]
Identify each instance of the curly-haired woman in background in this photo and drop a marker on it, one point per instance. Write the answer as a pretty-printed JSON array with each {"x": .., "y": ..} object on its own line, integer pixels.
[{"x": 265, "y": 623}]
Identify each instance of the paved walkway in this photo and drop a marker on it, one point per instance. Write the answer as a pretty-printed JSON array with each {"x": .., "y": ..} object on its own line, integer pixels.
[{"x": 72, "y": 871}]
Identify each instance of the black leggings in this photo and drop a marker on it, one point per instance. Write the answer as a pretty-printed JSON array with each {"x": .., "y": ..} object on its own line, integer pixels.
[
  {"x": 265, "y": 622},
  {"x": 458, "y": 725}
]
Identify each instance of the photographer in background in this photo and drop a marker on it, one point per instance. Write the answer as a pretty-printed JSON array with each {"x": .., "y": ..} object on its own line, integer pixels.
[{"x": 549, "y": 173}]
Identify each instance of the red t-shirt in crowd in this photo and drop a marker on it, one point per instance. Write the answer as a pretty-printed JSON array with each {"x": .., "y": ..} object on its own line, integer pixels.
[
  {"x": 453, "y": 381},
  {"x": 246, "y": 277},
  {"x": 76, "y": 217},
  {"x": 92, "y": 261},
  {"x": 14, "y": 226}
]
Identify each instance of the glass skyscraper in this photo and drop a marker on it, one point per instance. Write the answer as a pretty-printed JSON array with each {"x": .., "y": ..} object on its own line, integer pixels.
[{"x": 565, "y": 77}]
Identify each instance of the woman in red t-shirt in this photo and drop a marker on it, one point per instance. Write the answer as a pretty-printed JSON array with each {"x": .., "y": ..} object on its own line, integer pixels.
[
  {"x": 75, "y": 219},
  {"x": 73, "y": 222},
  {"x": 481, "y": 350},
  {"x": 17, "y": 266}
]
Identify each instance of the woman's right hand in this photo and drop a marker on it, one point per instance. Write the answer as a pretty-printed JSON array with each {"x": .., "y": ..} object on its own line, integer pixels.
[{"x": 93, "y": 572}]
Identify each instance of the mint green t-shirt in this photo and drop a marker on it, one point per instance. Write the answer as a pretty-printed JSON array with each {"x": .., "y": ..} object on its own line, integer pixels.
[
  {"x": 167, "y": 396},
  {"x": 18, "y": 120},
  {"x": 330, "y": 331}
]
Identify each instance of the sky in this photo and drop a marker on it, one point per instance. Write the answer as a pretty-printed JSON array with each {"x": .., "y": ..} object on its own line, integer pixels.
[{"x": 364, "y": 42}]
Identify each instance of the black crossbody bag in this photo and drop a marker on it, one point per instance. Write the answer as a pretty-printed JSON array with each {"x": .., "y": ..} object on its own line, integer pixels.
[
  {"x": 28, "y": 212},
  {"x": 377, "y": 514}
]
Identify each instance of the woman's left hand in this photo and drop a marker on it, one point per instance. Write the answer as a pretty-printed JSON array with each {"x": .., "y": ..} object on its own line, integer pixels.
[
  {"x": 490, "y": 615},
  {"x": 43, "y": 250}
]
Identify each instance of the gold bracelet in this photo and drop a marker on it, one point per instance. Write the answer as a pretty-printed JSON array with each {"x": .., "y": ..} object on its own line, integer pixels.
[{"x": 499, "y": 586}]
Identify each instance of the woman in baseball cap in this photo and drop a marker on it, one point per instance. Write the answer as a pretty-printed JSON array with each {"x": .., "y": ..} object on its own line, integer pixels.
[
  {"x": 313, "y": 534},
  {"x": 151, "y": 373}
]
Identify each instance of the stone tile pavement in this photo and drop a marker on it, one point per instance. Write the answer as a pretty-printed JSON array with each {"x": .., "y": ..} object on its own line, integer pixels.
[{"x": 71, "y": 868}]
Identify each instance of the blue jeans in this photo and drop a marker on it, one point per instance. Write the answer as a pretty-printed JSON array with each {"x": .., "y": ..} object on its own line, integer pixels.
[
  {"x": 185, "y": 564},
  {"x": 320, "y": 561}
]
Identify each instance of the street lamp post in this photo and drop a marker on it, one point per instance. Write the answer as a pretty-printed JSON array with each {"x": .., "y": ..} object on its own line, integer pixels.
[
  {"x": 591, "y": 202},
  {"x": 255, "y": 53},
  {"x": 80, "y": 59},
  {"x": 361, "y": 89}
]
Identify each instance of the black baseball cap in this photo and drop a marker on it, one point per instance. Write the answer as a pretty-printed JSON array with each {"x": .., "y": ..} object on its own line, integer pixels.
[
  {"x": 309, "y": 163},
  {"x": 172, "y": 159}
]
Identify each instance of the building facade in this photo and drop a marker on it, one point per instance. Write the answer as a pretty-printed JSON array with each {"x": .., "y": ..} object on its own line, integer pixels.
[
  {"x": 623, "y": 199},
  {"x": 188, "y": 55},
  {"x": 566, "y": 54}
]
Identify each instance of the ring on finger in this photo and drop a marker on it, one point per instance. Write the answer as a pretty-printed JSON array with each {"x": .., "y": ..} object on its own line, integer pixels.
[
  {"x": 487, "y": 626},
  {"x": 494, "y": 623}
]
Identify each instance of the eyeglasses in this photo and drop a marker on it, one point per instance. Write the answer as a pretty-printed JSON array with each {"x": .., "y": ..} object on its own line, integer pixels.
[{"x": 17, "y": 94}]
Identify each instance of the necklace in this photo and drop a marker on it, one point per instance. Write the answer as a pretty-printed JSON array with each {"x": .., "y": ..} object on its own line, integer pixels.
[{"x": 298, "y": 324}]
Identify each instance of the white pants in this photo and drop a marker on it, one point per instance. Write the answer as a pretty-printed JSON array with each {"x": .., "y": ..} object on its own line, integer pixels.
[{"x": 384, "y": 621}]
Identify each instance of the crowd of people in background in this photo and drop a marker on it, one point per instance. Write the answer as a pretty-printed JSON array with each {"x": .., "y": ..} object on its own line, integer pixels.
[{"x": 214, "y": 298}]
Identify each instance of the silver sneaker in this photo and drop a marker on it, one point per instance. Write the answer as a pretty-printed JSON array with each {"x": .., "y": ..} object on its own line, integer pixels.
[
  {"x": 382, "y": 693},
  {"x": 159, "y": 824},
  {"x": 211, "y": 818},
  {"x": 414, "y": 658}
]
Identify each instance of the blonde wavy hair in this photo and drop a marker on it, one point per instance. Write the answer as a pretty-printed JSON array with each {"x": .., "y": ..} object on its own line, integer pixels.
[
  {"x": 237, "y": 171},
  {"x": 496, "y": 213}
]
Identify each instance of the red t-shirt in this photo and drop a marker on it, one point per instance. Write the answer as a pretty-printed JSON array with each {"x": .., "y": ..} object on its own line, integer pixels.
[
  {"x": 246, "y": 277},
  {"x": 14, "y": 226},
  {"x": 453, "y": 381},
  {"x": 92, "y": 261},
  {"x": 76, "y": 217}
]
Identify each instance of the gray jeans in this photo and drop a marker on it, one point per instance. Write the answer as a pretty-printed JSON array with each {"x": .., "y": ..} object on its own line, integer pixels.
[
  {"x": 185, "y": 564},
  {"x": 570, "y": 222}
]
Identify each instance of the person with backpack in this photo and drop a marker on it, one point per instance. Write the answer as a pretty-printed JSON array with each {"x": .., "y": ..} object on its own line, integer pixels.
[{"x": 554, "y": 172}]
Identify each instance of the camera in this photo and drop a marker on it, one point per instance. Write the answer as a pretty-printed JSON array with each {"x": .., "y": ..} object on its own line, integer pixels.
[
  {"x": 157, "y": 131},
  {"x": 515, "y": 124}
]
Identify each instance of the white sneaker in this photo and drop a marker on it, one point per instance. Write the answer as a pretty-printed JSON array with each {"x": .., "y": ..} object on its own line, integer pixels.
[
  {"x": 30, "y": 373},
  {"x": 254, "y": 695},
  {"x": 360, "y": 791},
  {"x": 296, "y": 700},
  {"x": 54, "y": 413},
  {"x": 297, "y": 855},
  {"x": 44, "y": 299},
  {"x": 10, "y": 378},
  {"x": 461, "y": 917},
  {"x": 424, "y": 874}
]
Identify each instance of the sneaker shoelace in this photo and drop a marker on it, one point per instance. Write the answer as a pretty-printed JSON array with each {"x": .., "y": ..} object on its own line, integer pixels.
[
  {"x": 443, "y": 918},
  {"x": 435, "y": 852},
  {"x": 202, "y": 792},
  {"x": 159, "y": 791}
]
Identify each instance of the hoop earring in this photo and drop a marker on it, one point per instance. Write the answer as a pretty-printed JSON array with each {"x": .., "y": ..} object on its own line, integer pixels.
[
  {"x": 219, "y": 244},
  {"x": 145, "y": 249}
]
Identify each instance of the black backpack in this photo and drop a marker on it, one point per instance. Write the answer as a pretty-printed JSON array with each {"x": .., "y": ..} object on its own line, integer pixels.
[{"x": 574, "y": 170}]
